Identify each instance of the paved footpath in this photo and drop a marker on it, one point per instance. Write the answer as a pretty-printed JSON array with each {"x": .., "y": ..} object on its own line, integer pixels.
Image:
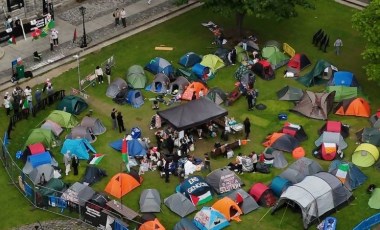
[{"x": 100, "y": 27}]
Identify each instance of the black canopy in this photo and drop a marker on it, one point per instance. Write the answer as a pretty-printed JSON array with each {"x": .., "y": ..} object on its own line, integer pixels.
[{"x": 192, "y": 114}]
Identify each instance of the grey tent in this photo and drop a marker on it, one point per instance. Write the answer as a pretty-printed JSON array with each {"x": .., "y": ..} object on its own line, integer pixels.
[
  {"x": 94, "y": 124},
  {"x": 78, "y": 193},
  {"x": 223, "y": 180},
  {"x": 192, "y": 114},
  {"x": 115, "y": 87},
  {"x": 179, "y": 204},
  {"x": 316, "y": 195},
  {"x": 160, "y": 83},
  {"x": 185, "y": 224},
  {"x": 315, "y": 105},
  {"x": 54, "y": 127},
  {"x": 321, "y": 72},
  {"x": 136, "y": 77},
  {"x": 301, "y": 168},
  {"x": 150, "y": 201},
  {"x": 369, "y": 135},
  {"x": 331, "y": 137},
  {"x": 374, "y": 119},
  {"x": 217, "y": 95},
  {"x": 279, "y": 160},
  {"x": 290, "y": 93},
  {"x": 180, "y": 84},
  {"x": 81, "y": 132},
  {"x": 42, "y": 173},
  {"x": 248, "y": 204}
]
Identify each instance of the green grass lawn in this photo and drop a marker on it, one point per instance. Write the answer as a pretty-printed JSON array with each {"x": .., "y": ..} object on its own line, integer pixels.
[{"x": 185, "y": 34}]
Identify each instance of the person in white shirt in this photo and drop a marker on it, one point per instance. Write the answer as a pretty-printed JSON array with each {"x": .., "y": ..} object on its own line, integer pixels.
[
  {"x": 254, "y": 160},
  {"x": 54, "y": 36},
  {"x": 7, "y": 103},
  {"x": 338, "y": 44},
  {"x": 123, "y": 16},
  {"x": 99, "y": 74},
  {"x": 239, "y": 163}
]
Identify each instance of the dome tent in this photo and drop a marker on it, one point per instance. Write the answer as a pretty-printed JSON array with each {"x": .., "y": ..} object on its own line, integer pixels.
[
  {"x": 115, "y": 87},
  {"x": 94, "y": 124},
  {"x": 72, "y": 104},
  {"x": 136, "y": 77}
]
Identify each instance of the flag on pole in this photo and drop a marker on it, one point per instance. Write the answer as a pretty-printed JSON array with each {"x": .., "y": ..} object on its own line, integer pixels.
[
  {"x": 124, "y": 153},
  {"x": 97, "y": 158},
  {"x": 75, "y": 35},
  {"x": 12, "y": 40}
]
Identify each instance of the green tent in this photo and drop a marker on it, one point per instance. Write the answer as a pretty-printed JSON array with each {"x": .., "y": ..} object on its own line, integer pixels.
[
  {"x": 72, "y": 104},
  {"x": 52, "y": 188},
  {"x": 365, "y": 155},
  {"x": 241, "y": 54},
  {"x": 342, "y": 92},
  {"x": 64, "y": 119},
  {"x": 374, "y": 201},
  {"x": 136, "y": 77},
  {"x": 213, "y": 62},
  {"x": 321, "y": 73},
  {"x": 44, "y": 136},
  {"x": 275, "y": 56}
]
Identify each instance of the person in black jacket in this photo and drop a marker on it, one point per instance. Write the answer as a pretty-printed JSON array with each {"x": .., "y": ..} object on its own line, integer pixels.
[
  {"x": 247, "y": 127},
  {"x": 120, "y": 122},
  {"x": 75, "y": 164}
]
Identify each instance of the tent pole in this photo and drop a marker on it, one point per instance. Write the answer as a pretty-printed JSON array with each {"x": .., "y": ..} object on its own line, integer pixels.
[
  {"x": 265, "y": 214},
  {"x": 283, "y": 215}
]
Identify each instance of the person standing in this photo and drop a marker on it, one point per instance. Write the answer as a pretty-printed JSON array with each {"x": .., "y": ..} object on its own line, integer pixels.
[
  {"x": 170, "y": 144},
  {"x": 108, "y": 73},
  {"x": 207, "y": 162},
  {"x": 120, "y": 122},
  {"x": 167, "y": 171},
  {"x": 54, "y": 36},
  {"x": 338, "y": 44},
  {"x": 29, "y": 98},
  {"x": 38, "y": 97},
  {"x": 116, "y": 15},
  {"x": 67, "y": 161},
  {"x": 99, "y": 74},
  {"x": 239, "y": 163},
  {"x": 7, "y": 103},
  {"x": 123, "y": 16},
  {"x": 249, "y": 98},
  {"x": 247, "y": 127},
  {"x": 254, "y": 160},
  {"x": 113, "y": 118},
  {"x": 75, "y": 164}
]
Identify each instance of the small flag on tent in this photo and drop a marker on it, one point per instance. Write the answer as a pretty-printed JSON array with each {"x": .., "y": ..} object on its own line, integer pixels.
[
  {"x": 12, "y": 40},
  {"x": 124, "y": 153},
  {"x": 96, "y": 159},
  {"x": 75, "y": 35}
]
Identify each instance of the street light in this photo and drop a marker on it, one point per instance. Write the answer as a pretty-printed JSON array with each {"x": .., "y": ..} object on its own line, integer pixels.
[
  {"x": 76, "y": 56},
  {"x": 82, "y": 10}
]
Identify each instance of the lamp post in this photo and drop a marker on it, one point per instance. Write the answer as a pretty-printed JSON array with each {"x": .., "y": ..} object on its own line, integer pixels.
[
  {"x": 82, "y": 10},
  {"x": 76, "y": 56}
]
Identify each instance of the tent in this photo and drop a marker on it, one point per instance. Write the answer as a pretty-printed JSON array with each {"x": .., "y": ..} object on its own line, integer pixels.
[
  {"x": 301, "y": 168},
  {"x": 192, "y": 114},
  {"x": 321, "y": 72},
  {"x": 316, "y": 195},
  {"x": 94, "y": 124},
  {"x": 342, "y": 92},
  {"x": 78, "y": 147},
  {"x": 150, "y": 201},
  {"x": 294, "y": 130},
  {"x": 369, "y": 135},
  {"x": 115, "y": 87},
  {"x": 365, "y": 155},
  {"x": 350, "y": 175},
  {"x": 315, "y": 105},
  {"x": 122, "y": 96},
  {"x": 36, "y": 160},
  {"x": 374, "y": 119},
  {"x": 194, "y": 87},
  {"x": 80, "y": 132},
  {"x": 78, "y": 193},
  {"x": 72, "y": 104},
  {"x": 189, "y": 59},
  {"x": 343, "y": 78},
  {"x": 217, "y": 95},
  {"x": 213, "y": 62},
  {"x": 160, "y": 84},
  {"x": 152, "y": 224},
  {"x": 279, "y": 160},
  {"x": 44, "y": 136},
  {"x": 52, "y": 188},
  {"x": 331, "y": 137},
  {"x": 160, "y": 65},
  {"x": 354, "y": 107},
  {"x": 200, "y": 71},
  {"x": 274, "y": 56},
  {"x": 180, "y": 84},
  {"x": 92, "y": 175},
  {"x": 297, "y": 63},
  {"x": 264, "y": 70},
  {"x": 135, "y": 98},
  {"x": 245, "y": 201},
  {"x": 223, "y": 180},
  {"x": 262, "y": 194},
  {"x": 45, "y": 171},
  {"x": 327, "y": 152},
  {"x": 279, "y": 185},
  {"x": 136, "y": 147},
  {"x": 210, "y": 219},
  {"x": 179, "y": 204},
  {"x": 185, "y": 224},
  {"x": 32, "y": 149},
  {"x": 281, "y": 141},
  {"x": 54, "y": 127},
  {"x": 196, "y": 189},
  {"x": 229, "y": 208},
  {"x": 121, "y": 184},
  {"x": 136, "y": 77},
  {"x": 63, "y": 118},
  {"x": 374, "y": 201},
  {"x": 335, "y": 127},
  {"x": 290, "y": 93}
]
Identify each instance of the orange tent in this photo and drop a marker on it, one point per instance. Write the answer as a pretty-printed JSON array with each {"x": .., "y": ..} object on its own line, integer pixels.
[
  {"x": 298, "y": 153},
  {"x": 354, "y": 107},
  {"x": 194, "y": 87},
  {"x": 152, "y": 225},
  {"x": 121, "y": 184},
  {"x": 228, "y": 208}
]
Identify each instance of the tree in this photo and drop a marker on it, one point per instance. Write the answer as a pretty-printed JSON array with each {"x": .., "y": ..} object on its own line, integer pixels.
[
  {"x": 279, "y": 9},
  {"x": 367, "y": 22}
]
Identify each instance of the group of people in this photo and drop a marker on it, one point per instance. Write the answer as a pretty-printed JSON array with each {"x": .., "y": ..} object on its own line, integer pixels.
[
  {"x": 99, "y": 74},
  {"x": 120, "y": 15},
  {"x": 240, "y": 162},
  {"x": 70, "y": 160}
]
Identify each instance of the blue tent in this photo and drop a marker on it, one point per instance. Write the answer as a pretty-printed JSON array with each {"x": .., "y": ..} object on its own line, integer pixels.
[
  {"x": 189, "y": 59},
  {"x": 210, "y": 219},
  {"x": 185, "y": 224},
  {"x": 160, "y": 65},
  {"x": 135, "y": 148},
  {"x": 354, "y": 178},
  {"x": 343, "y": 78},
  {"x": 39, "y": 159},
  {"x": 196, "y": 188},
  {"x": 78, "y": 147},
  {"x": 136, "y": 132},
  {"x": 279, "y": 185},
  {"x": 200, "y": 70},
  {"x": 135, "y": 98}
]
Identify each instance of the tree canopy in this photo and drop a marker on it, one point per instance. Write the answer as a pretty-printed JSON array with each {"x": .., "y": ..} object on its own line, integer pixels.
[{"x": 367, "y": 22}]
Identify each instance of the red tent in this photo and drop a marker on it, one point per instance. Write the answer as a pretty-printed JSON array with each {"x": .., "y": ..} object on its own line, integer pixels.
[
  {"x": 298, "y": 63},
  {"x": 262, "y": 194},
  {"x": 36, "y": 148}
]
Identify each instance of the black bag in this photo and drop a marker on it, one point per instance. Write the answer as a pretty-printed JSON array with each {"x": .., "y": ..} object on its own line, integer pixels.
[{"x": 113, "y": 15}]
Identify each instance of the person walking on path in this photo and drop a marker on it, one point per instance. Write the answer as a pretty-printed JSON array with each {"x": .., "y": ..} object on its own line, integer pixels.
[
  {"x": 99, "y": 74},
  {"x": 75, "y": 164},
  {"x": 116, "y": 15},
  {"x": 67, "y": 161},
  {"x": 108, "y": 73},
  {"x": 123, "y": 16},
  {"x": 113, "y": 118},
  {"x": 247, "y": 127},
  {"x": 54, "y": 36},
  {"x": 338, "y": 44},
  {"x": 120, "y": 122}
]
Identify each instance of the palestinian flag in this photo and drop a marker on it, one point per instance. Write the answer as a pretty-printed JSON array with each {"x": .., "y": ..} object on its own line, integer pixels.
[
  {"x": 12, "y": 40},
  {"x": 201, "y": 199},
  {"x": 96, "y": 159},
  {"x": 124, "y": 153}
]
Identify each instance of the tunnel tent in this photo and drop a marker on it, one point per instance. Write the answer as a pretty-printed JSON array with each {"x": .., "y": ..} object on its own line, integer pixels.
[{"x": 365, "y": 155}]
